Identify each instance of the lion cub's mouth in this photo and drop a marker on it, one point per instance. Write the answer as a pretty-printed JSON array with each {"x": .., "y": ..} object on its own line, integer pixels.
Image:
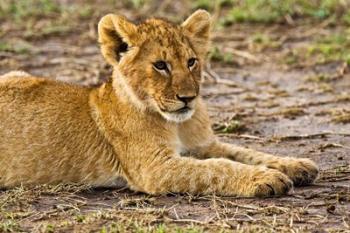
[
  {"x": 184, "y": 109},
  {"x": 178, "y": 115}
]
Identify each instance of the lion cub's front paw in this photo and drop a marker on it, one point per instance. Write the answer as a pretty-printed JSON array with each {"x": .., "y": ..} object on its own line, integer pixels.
[
  {"x": 270, "y": 182},
  {"x": 300, "y": 171}
]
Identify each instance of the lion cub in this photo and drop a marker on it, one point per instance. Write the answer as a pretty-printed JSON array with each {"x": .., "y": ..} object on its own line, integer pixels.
[{"x": 137, "y": 125}]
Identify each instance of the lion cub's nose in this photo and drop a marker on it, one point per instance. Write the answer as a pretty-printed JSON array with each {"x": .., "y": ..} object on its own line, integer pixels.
[{"x": 185, "y": 99}]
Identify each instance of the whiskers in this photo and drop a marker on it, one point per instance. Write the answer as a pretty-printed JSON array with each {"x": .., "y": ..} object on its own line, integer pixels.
[{"x": 170, "y": 105}]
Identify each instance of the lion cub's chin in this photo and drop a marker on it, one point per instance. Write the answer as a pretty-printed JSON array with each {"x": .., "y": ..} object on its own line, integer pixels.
[{"x": 177, "y": 117}]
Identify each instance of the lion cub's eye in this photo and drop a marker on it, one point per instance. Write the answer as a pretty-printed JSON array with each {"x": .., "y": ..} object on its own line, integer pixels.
[
  {"x": 160, "y": 65},
  {"x": 191, "y": 62}
]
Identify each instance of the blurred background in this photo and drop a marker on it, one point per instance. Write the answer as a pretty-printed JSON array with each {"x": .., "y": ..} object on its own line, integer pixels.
[
  {"x": 276, "y": 80},
  {"x": 290, "y": 32}
]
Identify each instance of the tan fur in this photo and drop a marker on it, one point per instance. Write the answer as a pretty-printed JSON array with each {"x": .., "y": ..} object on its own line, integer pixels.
[{"x": 132, "y": 127}]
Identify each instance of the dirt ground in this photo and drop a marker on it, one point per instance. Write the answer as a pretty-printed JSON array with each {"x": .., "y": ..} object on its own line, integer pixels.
[{"x": 261, "y": 93}]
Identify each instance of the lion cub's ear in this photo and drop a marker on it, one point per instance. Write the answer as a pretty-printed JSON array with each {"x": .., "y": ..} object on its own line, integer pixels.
[
  {"x": 115, "y": 35},
  {"x": 197, "y": 28}
]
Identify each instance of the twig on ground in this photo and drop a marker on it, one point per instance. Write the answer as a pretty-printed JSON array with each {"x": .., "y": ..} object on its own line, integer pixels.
[
  {"x": 245, "y": 136},
  {"x": 211, "y": 75},
  {"x": 244, "y": 54},
  {"x": 307, "y": 136},
  {"x": 331, "y": 145}
]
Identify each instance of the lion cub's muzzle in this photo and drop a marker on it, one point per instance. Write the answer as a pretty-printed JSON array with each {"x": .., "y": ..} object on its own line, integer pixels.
[
  {"x": 180, "y": 109},
  {"x": 187, "y": 100}
]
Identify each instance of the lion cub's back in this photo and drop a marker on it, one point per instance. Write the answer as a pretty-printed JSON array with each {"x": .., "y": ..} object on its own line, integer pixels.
[
  {"x": 45, "y": 129},
  {"x": 31, "y": 98},
  {"x": 16, "y": 89}
]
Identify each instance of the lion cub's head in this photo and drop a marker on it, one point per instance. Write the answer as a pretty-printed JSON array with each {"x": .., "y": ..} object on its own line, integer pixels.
[{"x": 157, "y": 64}]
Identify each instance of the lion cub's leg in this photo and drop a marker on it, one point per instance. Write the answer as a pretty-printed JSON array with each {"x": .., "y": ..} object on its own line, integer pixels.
[
  {"x": 220, "y": 176},
  {"x": 301, "y": 171}
]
